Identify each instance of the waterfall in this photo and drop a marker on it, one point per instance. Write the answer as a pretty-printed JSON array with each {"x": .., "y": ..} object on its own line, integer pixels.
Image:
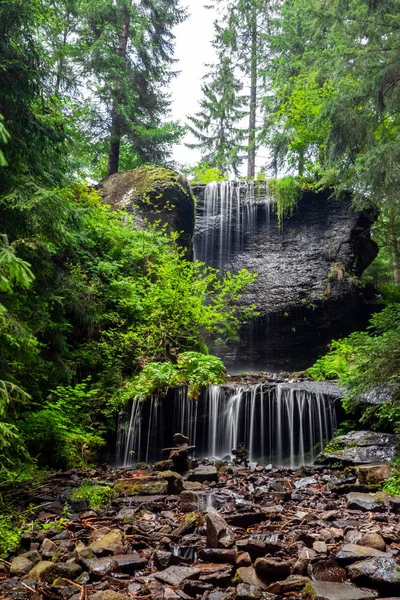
[
  {"x": 233, "y": 212},
  {"x": 284, "y": 424}
]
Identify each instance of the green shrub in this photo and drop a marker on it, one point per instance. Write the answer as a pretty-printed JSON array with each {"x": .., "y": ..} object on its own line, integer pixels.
[
  {"x": 194, "y": 369},
  {"x": 9, "y": 535},
  {"x": 97, "y": 496},
  {"x": 368, "y": 361}
]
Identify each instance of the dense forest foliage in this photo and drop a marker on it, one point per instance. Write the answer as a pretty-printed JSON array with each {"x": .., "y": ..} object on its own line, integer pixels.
[
  {"x": 87, "y": 298},
  {"x": 95, "y": 310}
]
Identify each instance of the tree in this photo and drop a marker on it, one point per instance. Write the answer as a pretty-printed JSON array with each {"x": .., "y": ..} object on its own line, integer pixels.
[
  {"x": 130, "y": 52},
  {"x": 349, "y": 47},
  {"x": 216, "y": 125},
  {"x": 241, "y": 33}
]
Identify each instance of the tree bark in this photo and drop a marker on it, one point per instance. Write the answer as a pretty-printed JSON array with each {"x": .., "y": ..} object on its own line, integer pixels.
[
  {"x": 251, "y": 161},
  {"x": 394, "y": 242},
  {"x": 117, "y": 119}
]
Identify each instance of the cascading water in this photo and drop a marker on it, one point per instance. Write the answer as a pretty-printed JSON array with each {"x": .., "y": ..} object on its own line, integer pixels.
[
  {"x": 285, "y": 424},
  {"x": 233, "y": 212}
]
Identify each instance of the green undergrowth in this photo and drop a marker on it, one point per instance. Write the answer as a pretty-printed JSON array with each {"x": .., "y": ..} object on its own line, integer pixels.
[
  {"x": 97, "y": 496},
  {"x": 194, "y": 369},
  {"x": 368, "y": 362}
]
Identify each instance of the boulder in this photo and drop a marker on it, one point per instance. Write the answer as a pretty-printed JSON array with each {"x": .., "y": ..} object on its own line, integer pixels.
[
  {"x": 175, "y": 481},
  {"x": 154, "y": 194},
  {"x": 359, "y": 447}
]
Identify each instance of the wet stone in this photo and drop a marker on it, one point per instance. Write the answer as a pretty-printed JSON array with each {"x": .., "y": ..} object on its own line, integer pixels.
[
  {"x": 20, "y": 566},
  {"x": 111, "y": 543},
  {"x": 366, "y": 502},
  {"x": 372, "y": 540},
  {"x": 248, "y": 575},
  {"x": 102, "y": 566},
  {"x": 204, "y": 473},
  {"x": 327, "y": 570},
  {"x": 352, "y": 552},
  {"x": 326, "y": 590},
  {"x": 244, "y": 591},
  {"x": 219, "y": 534},
  {"x": 219, "y": 555},
  {"x": 379, "y": 570},
  {"x": 273, "y": 568}
]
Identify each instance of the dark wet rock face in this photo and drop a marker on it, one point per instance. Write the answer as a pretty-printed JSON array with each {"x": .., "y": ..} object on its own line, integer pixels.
[
  {"x": 154, "y": 194},
  {"x": 360, "y": 447},
  {"x": 306, "y": 268},
  {"x": 300, "y": 538}
]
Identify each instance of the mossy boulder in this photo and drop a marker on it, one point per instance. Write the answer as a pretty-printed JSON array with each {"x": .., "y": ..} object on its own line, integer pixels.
[{"x": 154, "y": 194}]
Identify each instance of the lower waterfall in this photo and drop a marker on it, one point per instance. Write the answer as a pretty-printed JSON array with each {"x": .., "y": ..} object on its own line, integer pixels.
[{"x": 284, "y": 424}]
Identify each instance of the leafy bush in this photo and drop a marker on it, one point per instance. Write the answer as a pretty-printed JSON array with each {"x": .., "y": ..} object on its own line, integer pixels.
[
  {"x": 193, "y": 369},
  {"x": 97, "y": 496},
  {"x": 64, "y": 432},
  {"x": 205, "y": 173},
  {"x": 368, "y": 361},
  {"x": 9, "y": 535}
]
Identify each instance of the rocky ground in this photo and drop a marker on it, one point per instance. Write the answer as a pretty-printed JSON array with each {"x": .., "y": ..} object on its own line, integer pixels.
[{"x": 222, "y": 532}]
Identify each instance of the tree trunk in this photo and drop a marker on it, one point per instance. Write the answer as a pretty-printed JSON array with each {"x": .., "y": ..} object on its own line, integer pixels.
[
  {"x": 117, "y": 119},
  {"x": 394, "y": 242},
  {"x": 251, "y": 161}
]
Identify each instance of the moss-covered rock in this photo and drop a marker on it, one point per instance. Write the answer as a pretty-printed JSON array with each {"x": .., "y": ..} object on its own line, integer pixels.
[
  {"x": 141, "y": 486},
  {"x": 154, "y": 194}
]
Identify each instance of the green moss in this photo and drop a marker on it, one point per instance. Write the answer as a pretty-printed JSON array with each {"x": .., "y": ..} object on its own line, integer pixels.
[
  {"x": 96, "y": 495},
  {"x": 309, "y": 592}
]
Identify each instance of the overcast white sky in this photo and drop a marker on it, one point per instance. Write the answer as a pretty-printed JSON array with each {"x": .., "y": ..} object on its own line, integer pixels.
[{"x": 193, "y": 49}]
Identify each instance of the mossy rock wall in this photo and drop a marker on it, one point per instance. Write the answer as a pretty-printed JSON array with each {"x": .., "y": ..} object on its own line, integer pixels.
[{"x": 154, "y": 194}]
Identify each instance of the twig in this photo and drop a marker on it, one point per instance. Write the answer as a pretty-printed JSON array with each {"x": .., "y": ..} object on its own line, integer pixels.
[
  {"x": 81, "y": 587},
  {"x": 28, "y": 587},
  {"x": 5, "y": 562}
]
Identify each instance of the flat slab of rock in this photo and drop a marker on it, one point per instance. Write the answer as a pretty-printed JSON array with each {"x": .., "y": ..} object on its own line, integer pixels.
[
  {"x": 177, "y": 575},
  {"x": 141, "y": 486},
  {"x": 327, "y": 590},
  {"x": 204, "y": 473},
  {"x": 290, "y": 584},
  {"x": 366, "y": 502},
  {"x": 377, "y": 571},
  {"x": 359, "y": 447},
  {"x": 352, "y": 552},
  {"x": 246, "y": 519}
]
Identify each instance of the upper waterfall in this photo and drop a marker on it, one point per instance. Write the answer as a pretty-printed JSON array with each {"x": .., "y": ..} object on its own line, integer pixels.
[{"x": 231, "y": 214}]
